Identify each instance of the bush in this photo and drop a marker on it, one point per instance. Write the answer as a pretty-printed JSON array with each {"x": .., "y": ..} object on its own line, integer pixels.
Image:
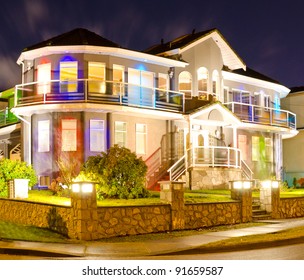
[
  {"x": 13, "y": 169},
  {"x": 119, "y": 173}
]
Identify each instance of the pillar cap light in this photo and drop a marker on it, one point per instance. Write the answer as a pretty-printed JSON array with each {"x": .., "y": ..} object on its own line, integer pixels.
[{"x": 82, "y": 187}]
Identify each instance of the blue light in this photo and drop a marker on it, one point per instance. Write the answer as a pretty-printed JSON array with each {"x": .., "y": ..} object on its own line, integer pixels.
[{"x": 141, "y": 67}]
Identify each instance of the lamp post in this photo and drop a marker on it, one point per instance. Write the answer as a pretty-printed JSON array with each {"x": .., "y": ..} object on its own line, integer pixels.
[{"x": 84, "y": 208}]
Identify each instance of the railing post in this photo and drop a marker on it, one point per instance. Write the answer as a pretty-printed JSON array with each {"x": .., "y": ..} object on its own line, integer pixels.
[
  {"x": 86, "y": 90},
  {"x": 228, "y": 157},
  {"x": 212, "y": 149}
]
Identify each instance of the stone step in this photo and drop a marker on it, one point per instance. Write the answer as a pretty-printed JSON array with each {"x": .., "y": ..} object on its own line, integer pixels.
[{"x": 261, "y": 217}]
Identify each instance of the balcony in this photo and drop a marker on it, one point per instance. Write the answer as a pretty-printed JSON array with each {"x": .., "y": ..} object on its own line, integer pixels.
[
  {"x": 262, "y": 115},
  {"x": 103, "y": 92},
  {"x": 7, "y": 118}
]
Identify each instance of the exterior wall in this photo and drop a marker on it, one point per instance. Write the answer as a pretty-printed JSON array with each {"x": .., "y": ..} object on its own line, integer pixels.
[
  {"x": 213, "y": 178},
  {"x": 293, "y": 151}
]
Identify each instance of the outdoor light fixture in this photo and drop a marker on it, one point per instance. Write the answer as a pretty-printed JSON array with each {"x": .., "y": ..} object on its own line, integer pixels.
[
  {"x": 270, "y": 184},
  {"x": 82, "y": 187},
  {"x": 171, "y": 72},
  {"x": 241, "y": 184}
]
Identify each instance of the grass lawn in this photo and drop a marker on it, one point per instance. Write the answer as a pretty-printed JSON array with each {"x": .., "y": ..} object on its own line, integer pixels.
[{"x": 45, "y": 196}]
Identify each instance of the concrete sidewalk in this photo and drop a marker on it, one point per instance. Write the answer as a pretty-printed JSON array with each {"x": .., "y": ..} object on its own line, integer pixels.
[{"x": 105, "y": 250}]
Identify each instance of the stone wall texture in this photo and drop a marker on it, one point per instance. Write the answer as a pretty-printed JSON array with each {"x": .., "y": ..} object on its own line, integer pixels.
[
  {"x": 290, "y": 208},
  {"x": 212, "y": 214}
]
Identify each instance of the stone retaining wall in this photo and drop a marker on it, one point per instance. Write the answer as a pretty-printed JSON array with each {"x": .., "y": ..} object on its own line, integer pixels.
[
  {"x": 57, "y": 218},
  {"x": 291, "y": 208},
  {"x": 212, "y": 214},
  {"x": 132, "y": 220}
]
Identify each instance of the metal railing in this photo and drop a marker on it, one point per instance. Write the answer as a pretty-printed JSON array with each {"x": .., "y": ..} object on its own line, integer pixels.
[
  {"x": 211, "y": 156},
  {"x": 108, "y": 92},
  {"x": 7, "y": 117},
  {"x": 262, "y": 115}
]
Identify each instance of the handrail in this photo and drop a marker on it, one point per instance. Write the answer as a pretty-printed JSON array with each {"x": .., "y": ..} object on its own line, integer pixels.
[
  {"x": 87, "y": 90},
  {"x": 176, "y": 169},
  {"x": 245, "y": 169},
  {"x": 262, "y": 115}
]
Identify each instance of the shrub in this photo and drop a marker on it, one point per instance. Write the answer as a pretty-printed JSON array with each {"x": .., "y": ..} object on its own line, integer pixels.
[
  {"x": 13, "y": 169},
  {"x": 119, "y": 173}
]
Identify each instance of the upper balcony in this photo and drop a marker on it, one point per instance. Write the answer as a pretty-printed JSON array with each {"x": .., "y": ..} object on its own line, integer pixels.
[
  {"x": 103, "y": 92},
  {"x": 262, "y": 115}
]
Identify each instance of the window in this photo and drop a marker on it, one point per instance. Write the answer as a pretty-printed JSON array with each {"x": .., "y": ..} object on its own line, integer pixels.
[
  {"x": 43, "y": 136},
  {"x": 44, "y": 78},
  {"x": 185, "y": 84},
  {"x": 68, "y": 76},
  {"x": 97, "y": 140},
  {"x": 255, "y": 148},
  {"x": 215, "y": 84},
  {"x": 141, "y": 138},
  {"x": 118, "y": 79},
  {"x": 120, "y": 137},
  {"x": 69, "y": 135},
  {"x": 163, "y": 85},
  {"x": 268, "y": 149},
  {"x": 97, "y": 77},
  {"x": 242, "y": 139},
  {"x": 202, "y": 83},
  {"x": 266, "y": 101}
]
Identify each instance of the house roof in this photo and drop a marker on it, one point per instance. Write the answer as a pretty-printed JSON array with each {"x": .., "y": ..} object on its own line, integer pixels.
[
  {"x": 78, "y": 36},
  {"x": 296, "y": 89},
  {"x": 183, "y": 43},
  {"x": 253, "y": 74}
]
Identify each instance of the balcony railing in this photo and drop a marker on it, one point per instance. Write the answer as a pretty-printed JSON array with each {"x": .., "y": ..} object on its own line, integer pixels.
[
  {"x": 262, "y": 115},
  {"x": 211, "y": 156},
  {"x": 7, "y": 117},
  {"x": 107, "y": 92}
]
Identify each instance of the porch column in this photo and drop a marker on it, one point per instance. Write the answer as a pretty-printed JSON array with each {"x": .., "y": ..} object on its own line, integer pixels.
[{"x": 235, "y": 144}]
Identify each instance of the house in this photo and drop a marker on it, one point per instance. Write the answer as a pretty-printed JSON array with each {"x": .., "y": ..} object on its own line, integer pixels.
[
  {"x": 293, "y": 148},
  {"x": 189, "y": 107}
]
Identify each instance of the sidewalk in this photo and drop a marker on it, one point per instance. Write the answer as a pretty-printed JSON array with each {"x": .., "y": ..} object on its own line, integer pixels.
[{"x": 104, "y": 250}]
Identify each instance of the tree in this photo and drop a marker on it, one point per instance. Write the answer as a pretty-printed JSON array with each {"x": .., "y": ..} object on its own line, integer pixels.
[
  {"x": 119, "y": 173},
  {"x": 14, "y": 169}
]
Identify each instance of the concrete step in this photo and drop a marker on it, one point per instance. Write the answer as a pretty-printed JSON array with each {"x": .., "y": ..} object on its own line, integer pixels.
[{"x": 261, "y": 217}]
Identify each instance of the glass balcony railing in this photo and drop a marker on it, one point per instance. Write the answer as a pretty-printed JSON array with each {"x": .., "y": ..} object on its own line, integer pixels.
[
  {"x": 107, "y": 92},
  {"x": 262, "y": 115},
  {"x": 7, "y": 117}
]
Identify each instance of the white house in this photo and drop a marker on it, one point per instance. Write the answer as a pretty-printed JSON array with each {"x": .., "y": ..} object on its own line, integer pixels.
[{"x": 189, "y": 107}]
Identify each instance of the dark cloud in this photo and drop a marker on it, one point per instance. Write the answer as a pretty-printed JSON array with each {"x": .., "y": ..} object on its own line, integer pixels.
[{"x": 266, "y": 34}]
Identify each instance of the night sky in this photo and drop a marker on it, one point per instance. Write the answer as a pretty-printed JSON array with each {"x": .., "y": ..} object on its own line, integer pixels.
[{"x": 267, "y": 35}]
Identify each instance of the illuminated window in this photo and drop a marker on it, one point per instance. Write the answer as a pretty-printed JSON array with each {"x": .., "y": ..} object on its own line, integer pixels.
[
  {"x": 118, "y": 79},
  {"x": 268, "y": 149},
  {"x": 44, "y": 78},
  {"x": 97, "y": 77},
  {"x": 69, "y": 135},
  {"x": 185, "y": 84},
  {"x": 44, "y": 136},
  {"x": 242, "y": 142},
  {"x": 97, "y": 140},
  {"x": 163, "y": 85},
  {"x": 202, "y": 83},
  {"x": 120, "y": 137},
  {"x": 215, "y": 84},
  {"x": 141, "y": 139},
  {"x": 255, "y": 148},
  {"x": 68, "y": 76}
]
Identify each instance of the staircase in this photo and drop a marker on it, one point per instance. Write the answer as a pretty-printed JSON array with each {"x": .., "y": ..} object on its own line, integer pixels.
[{"x": 259, "y": 214}]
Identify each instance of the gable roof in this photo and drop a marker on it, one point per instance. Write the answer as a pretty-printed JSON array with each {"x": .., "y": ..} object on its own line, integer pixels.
[
  {"x": 78, "y": 36},
  {"x": 183, "y": 43}
]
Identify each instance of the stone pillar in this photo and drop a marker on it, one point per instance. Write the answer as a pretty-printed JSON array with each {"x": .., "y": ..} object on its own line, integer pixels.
[
  {"x": 265, "y": 199},
  {"x": 84, "y": 211},
  {"x": 245, "y": 196},
  {"x": 173, "y": 193},
  {"x": 275, "y": 202}
]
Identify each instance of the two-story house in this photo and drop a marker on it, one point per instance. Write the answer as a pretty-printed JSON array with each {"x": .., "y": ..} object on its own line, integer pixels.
[{"x": 188, "y": 107}]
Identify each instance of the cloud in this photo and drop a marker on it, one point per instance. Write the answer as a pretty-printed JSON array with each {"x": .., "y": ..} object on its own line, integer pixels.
[
  {"x": 36, "y": 12},
  {"x": 9, "y": 72}
]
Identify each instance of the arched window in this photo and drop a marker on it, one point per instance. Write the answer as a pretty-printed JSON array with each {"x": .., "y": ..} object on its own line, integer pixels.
[
  {"x": 216, "y": 84},
  {"x": 185, "y": 83},
  {"x": 202, "y": 83}
]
